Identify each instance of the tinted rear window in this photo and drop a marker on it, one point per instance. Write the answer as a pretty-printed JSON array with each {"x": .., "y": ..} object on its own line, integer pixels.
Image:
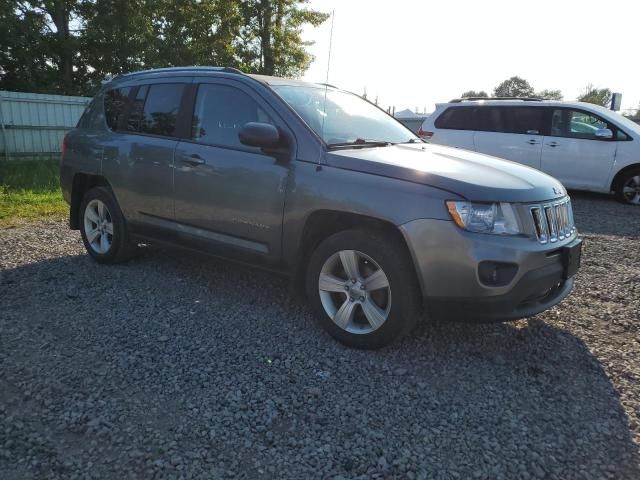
[
  {"x": 115, "y": 102},
  {"x": 161, "y": 109},
  {"x": 135, "y": 113},
  {"x": 457, "y": 118},
  {"x": 523, "y": 120}
]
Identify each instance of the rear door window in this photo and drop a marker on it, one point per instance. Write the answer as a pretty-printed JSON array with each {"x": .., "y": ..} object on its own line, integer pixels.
[
  {"x": 489, "y": 119},
  {"x": 135, "y": 112},
  {"x": 160, "y": 110},
  {"x": 523, "y": 120},
  {"x": 115, "y": 103}
]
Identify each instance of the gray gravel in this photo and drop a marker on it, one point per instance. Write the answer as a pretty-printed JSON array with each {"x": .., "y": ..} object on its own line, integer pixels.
[{"x": 175, "y": 366}]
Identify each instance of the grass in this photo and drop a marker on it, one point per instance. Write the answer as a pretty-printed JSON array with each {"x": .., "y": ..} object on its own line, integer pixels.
[{"x": 29, "y": 190}]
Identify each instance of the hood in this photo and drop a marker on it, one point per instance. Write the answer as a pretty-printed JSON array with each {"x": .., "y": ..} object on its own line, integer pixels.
[{"x": 471, "y": 175}]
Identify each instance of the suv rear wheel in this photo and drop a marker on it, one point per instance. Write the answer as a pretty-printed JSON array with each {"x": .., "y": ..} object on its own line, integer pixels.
[
  {"x": 628, "y": 187},
  {"x": 363, "y": 288},
  {"x": 103, "y": 228}
]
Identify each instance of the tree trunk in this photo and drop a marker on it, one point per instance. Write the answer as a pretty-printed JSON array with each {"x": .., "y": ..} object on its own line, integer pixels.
[
  {"x": 266, "y": 37},
  {"x": 59, "y": 13}
]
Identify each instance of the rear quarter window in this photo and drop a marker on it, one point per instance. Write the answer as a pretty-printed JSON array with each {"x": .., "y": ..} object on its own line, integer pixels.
[
  {"x": 457, "y": 118},
  {"x": 115, "y": 103}
]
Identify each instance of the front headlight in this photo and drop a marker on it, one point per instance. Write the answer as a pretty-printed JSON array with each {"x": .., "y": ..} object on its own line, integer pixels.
[{"x": 497, "y": 218}]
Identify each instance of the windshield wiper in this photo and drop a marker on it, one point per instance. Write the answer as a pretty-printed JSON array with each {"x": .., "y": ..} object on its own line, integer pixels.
[
  {"x": 360, "y": 143},
  {"x": 415, "y": 140}
]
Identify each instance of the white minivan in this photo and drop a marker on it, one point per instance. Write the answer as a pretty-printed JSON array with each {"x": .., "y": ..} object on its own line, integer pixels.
[{"x": 585, "y": 146}]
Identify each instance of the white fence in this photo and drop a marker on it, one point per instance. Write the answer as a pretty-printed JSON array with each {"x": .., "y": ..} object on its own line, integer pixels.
[{"x": 32, "y": 125}]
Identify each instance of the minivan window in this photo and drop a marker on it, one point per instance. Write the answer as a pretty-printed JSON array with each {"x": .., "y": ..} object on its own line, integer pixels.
[
  {"x": 458, "y": 118},
  {"x": 489, "y": 119},
  {"x": 220, "y": 112},
  {"x": 161, "y": 109},
  {"x": 523, "y": 120},
  {"x": 135, "y": 113},
  {"x": 115, "y": 102},
  {"x": 576, "y": 124}
]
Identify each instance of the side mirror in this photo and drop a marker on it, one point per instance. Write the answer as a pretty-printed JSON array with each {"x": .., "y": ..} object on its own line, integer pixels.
[
  {"x": 262, "y": 135},
  {"x": 604, "y": 134}
]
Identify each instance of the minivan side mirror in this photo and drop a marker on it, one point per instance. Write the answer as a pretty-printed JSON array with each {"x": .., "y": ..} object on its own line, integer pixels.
[
  {"x": 604, "y": 134},
  {"x": 262, "y": 135}
]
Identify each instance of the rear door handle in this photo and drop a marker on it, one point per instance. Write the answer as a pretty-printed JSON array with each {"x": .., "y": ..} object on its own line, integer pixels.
[
  {"x": 193, "y": 160},
  {"x": 553, "y": 144}
]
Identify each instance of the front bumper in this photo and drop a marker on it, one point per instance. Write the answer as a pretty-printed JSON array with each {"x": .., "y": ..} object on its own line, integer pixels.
[{"x": 447, "y": 260}]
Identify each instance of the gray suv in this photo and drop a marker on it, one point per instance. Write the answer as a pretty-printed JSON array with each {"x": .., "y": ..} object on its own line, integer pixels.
[{"x": 320, "y": 184}]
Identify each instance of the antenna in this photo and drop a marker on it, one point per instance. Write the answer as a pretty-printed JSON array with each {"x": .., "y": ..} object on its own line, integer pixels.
[{"x": 326, "y": 83}]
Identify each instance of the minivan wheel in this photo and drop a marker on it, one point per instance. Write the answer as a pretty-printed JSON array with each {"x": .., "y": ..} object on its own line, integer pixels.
[
  {"x": 103, "y": 228},
  {"x": 363, "y": 289},
  {"x": 628, "y": 188}
]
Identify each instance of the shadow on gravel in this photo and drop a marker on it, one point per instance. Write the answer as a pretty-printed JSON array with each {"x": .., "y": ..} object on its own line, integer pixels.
[{"x": 178, "y": 363}]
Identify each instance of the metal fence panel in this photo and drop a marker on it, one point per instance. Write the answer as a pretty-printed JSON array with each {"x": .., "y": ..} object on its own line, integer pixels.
[{"x": 32, "y": 125}]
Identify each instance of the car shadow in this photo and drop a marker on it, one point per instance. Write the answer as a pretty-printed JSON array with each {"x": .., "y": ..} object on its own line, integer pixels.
[{"x": 452, "y": 397}]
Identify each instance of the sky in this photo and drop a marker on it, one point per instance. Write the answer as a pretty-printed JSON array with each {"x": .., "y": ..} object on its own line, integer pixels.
[{"x": 415, "y": 53}]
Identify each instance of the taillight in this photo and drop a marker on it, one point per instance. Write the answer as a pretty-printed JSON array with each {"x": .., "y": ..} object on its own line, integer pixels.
[
  {"x": 63, "y": 148},
  {"x": 424, "y": 134}
]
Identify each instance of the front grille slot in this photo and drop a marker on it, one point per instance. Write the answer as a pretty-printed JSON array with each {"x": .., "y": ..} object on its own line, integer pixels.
[{"x": 553, "y": 221}]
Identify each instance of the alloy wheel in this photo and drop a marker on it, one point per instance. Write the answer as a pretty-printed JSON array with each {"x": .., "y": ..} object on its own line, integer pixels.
[
  {"x": 98, "y": 226},
  {"x": 631, "y": 190},
  {"x": 355, "y": 292}
]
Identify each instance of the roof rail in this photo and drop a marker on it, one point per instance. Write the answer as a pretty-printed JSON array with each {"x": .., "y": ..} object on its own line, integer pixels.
[
  {"x": 327, "y": 85},
  {"x": 470, "y": 99},
  {"x": 180, "y": 69}
]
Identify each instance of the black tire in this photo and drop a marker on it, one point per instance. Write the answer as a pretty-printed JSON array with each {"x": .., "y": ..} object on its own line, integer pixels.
[
  {"x": 404, "y": 293},
  {"x": 120, "y": 250},
  {"x": 622, "y": 181}
]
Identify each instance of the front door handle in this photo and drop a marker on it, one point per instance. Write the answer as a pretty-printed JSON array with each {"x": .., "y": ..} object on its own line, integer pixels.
[
  {"x": 193, "y": 160},
  {"x": 553, "y": 144},
  {"x": 533, "y": 142}
]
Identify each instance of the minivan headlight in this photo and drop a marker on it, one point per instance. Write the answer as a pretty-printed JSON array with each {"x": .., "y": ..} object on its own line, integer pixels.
[{"x": 496, "y": 218}]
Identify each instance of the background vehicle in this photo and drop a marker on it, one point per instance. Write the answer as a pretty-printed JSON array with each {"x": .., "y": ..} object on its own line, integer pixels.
[
  {"x": 320, "y": 184},
  {"x": 585, "y": 146}
]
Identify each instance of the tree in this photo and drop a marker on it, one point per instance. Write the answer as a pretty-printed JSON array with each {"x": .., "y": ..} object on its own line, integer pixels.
[
  {"x": 473, "y": 93},
  {"x": 597, "y": 96},
  {"x": 69, "y": 46},
  {"x": 273, "y": 44},
  {"x": 549, "y": 94},
  {"x": 514, "y": 87},
  {"x": 38, "y": 46}
]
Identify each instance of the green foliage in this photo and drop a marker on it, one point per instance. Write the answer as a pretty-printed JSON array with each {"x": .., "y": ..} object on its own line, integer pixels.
[
  {"x": 549, "y": 94},
  {"x": 30, "y": 189},
  {"x": 597, "y": 96},
  {"x": 514, "y": 87},
  {"x": 473, "y": 93},
  {"x": 70, "y": 46}
]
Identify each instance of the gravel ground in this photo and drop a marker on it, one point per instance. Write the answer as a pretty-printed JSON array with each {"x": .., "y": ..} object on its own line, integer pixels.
[{"x": 175, "y": 366}]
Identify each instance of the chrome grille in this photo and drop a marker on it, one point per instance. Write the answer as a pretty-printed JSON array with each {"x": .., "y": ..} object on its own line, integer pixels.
[{"x": 553, "y": 221}]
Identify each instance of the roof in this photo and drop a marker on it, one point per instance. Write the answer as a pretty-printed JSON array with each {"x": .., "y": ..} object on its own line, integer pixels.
[{"x": 524, "y": 102}]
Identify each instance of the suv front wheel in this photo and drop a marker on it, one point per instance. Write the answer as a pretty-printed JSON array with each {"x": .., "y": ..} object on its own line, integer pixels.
[
  {"x": 363, "y": 288},
  {"x": 103, "y": 228}
]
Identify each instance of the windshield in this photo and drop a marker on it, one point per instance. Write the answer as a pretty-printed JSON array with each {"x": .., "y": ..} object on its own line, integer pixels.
[{"x": 346, "y": 118}]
